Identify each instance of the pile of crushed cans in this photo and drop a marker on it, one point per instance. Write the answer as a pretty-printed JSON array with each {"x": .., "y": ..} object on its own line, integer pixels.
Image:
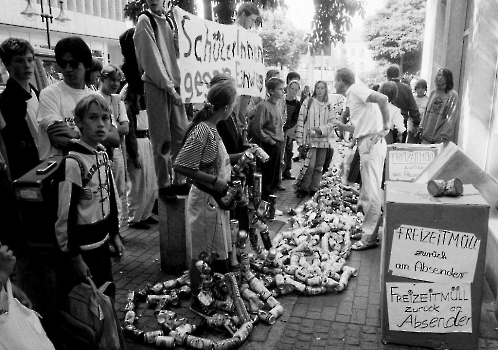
[{"x": 309, "y": 258}]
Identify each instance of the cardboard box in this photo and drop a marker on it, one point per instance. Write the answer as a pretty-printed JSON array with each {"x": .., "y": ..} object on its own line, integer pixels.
[
  {"x": 432, "y": 267},
  {"x": 405, "y": 161}
]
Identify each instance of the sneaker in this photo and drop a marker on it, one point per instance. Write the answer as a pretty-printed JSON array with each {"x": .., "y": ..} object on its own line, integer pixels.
[
  {"x": 280, "y": 188},
  {"x": 139, "y": 225},
  {"x": 167, "y": 194},
  {"x": 150, "y": 221},
  {"x": 181, "y": 190},
  {"x": 278, "y": 212}
]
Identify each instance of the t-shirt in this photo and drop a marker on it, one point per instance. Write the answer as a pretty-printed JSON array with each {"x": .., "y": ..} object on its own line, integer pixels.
[
  {"x": 200, "y": 150},
  {"x": 115, "y": 101},
  {"x": 365, "y": 116},
  {"x": 57, "y": 103}
]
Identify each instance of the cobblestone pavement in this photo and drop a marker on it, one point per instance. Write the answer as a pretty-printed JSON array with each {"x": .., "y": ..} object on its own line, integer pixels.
[{"x": 348, "y": 320}]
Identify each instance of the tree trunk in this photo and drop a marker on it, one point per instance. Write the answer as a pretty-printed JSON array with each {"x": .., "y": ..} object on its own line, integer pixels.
[
  {"x": 208, "y": 9},
  {"x": 401, "y": 71}
]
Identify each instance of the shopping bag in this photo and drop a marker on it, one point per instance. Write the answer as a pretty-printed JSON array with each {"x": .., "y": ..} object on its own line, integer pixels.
[{"x": 20, "y": 328}]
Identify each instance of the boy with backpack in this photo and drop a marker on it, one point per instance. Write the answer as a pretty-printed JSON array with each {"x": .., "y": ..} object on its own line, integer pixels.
[{"x": 87, "y": 217}]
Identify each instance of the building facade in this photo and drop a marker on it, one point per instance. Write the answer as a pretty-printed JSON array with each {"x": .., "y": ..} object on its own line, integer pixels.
[{"x": 98, "y": 22}]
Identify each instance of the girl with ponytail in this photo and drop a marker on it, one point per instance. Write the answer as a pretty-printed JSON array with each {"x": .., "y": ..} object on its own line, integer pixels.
[{"x": 204, "y": 159}]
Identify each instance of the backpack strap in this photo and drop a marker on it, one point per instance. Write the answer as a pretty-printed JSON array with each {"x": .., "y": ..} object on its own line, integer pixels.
[
  {"x": 84, "y": 179},
  {"x": 152, "y": 21}
]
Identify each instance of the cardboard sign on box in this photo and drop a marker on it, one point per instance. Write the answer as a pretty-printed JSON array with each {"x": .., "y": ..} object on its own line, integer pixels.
[
  {"x": 405, "y": 161},
  {"x": 432, "y": 267}
]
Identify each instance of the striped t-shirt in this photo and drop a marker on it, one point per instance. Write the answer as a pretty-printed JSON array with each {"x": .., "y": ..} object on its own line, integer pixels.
[{"x": 200, "y": 150}]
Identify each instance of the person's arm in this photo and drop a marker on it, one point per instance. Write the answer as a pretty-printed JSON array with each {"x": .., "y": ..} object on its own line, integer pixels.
[
  {"x": 51, "y": 122},
  {"x": 260, "y": 119},
  {"x": 131, "y": 139},
  {"x": 303, "y": 111},
  {"x": 218, "y": 183},
  {"x": 115, "y": 239},
  {"x": 123, "y": 127},
  {"x": 342, "y": 125},
  {"x": 413, "y": 111},
  {"x": 7, "y": 263},
  {"x": 327, "y": 128},
  {"x": 451, "y": 114},
  {"x": 382, "y": 102}
]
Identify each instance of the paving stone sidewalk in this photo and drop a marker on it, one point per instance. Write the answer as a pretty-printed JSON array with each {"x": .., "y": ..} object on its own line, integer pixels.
[{"x": 348, "y": 320}]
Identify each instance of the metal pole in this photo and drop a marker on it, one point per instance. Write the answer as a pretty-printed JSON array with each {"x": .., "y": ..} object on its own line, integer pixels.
[{"x": 48, "y": 33}]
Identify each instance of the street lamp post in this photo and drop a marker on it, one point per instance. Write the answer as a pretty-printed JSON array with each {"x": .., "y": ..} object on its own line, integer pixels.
[{"x": 31, "y": 13}]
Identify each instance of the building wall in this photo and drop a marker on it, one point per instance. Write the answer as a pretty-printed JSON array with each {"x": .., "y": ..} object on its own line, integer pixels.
[
  {"x": 98, "y": 22},
  {"x": 462, "y": 35}
]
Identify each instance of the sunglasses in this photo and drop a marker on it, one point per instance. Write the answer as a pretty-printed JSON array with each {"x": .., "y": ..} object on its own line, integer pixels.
[{"x": 73, "y": 64}]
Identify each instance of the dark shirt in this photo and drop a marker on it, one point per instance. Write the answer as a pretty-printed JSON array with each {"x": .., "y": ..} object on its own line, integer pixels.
[
  {"x": 406, "y": 103},
  {"x": 22, "y": 152},
  {"x": 293, "y": 108},
  {"x": 230, "y": 135}
]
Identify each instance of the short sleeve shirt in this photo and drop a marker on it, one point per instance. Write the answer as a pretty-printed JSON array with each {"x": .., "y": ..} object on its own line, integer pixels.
[
  {"x": 365, "y": 116},
  {"x": 200, "y": 150}
]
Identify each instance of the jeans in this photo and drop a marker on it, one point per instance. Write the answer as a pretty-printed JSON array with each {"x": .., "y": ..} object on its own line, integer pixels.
[
  {"x": 372, "y": 157},
  {"x": 313, "y": 175},
  {"x": 271, "y": 169},
  {"x": 289, "y": 142}
]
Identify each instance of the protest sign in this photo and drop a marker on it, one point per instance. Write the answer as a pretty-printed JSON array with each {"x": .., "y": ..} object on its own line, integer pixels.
[
  {"x": 429, "y": 307},
  {"x": 434, "y": 255},
  {"x": 405, "y": 162},
  {"x": 208, "y": 48}
]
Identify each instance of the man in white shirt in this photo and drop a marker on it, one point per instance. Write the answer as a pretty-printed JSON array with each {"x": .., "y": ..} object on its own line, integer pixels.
[
  {"x": 369, "y": 115},
  {"x": 55, "y": 117}
]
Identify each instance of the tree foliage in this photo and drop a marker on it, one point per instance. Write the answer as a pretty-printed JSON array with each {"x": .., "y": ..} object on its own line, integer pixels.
[
  {"x": 283, "y": 44},
  {"x": 396, "y": 33},
  {"x": 332, "y": 19}
]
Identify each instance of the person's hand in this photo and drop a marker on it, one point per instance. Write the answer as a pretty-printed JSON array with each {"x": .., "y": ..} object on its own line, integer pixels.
[
  {"x": 177, "y": 99},
  {"x": 119, "y": 247},
  {"x": 7, "y": 263},
  {"x": 339, "y": 125},
  {"x": 21, "y": 296},
  {"x": 137, "y": 162},
  {"x": 220, "y": 185},
  {"x": 79, "y": 268},
  {"x": 253, "y": 148},
  {"x": 317, "y": 131},
  {"x": 379, "y": 136}
]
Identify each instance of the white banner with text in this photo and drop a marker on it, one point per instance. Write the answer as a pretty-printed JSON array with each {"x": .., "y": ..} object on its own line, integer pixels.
[
  {"x": 429, "y": 307},
  {"x": 434, "y": 255},
  {"x": 208, "y": 48}
]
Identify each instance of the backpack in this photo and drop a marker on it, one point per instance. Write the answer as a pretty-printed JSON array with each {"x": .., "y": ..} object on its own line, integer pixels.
[
  {"x": 130, "y": 66},
  {"x": 89, "y": 320}
]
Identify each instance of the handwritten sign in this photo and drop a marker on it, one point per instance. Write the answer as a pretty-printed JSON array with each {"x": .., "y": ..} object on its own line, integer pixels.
[
  {"x": 429, "y": 307},
  {"x": 407, "y": 162},
  {"x": 208, "y": 48},
  {"x": 434, "y": 255}
]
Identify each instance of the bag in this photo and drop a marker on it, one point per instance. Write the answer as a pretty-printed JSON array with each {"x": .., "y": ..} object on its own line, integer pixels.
[
  {"x": 89, "y": 320},
  {"x": 20, "y": 328}
]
